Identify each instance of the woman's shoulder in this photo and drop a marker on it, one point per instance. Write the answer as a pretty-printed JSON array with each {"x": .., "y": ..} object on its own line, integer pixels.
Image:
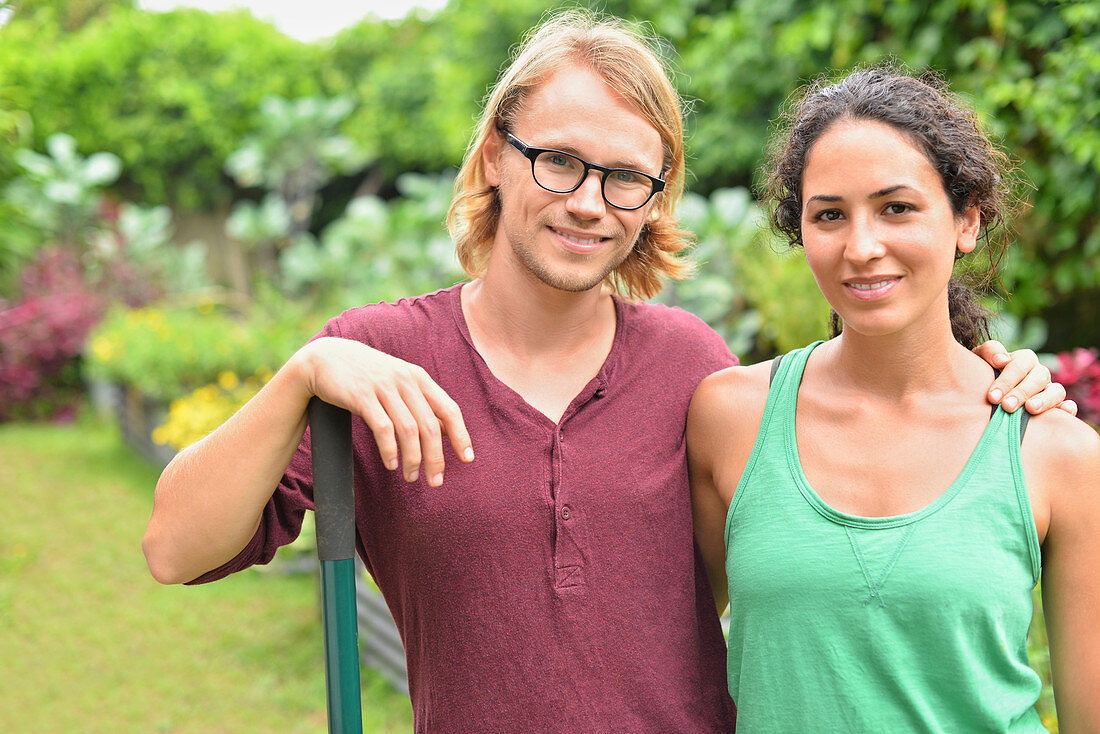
[
  {"x": 1061, "y": 443},
  {"x": 736, "y": 385},
  {"x": 728, "y": 400},
  {"x": 1061, "y": 462}
]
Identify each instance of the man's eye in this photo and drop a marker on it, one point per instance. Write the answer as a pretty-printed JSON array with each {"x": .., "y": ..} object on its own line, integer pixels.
[
  {"x": 628, "y": 177},
  {"x": 559, "y": 159}
]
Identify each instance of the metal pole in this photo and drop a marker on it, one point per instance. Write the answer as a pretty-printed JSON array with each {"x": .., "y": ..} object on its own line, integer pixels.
[{"x": 334, "y": 501}]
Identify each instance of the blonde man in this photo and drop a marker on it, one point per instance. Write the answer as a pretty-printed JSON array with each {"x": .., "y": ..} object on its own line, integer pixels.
[{"x": 550, "y": 585}]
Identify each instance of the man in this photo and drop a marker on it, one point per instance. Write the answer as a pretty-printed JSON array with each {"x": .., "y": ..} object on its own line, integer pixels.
[{"x": 552, "y": 583}]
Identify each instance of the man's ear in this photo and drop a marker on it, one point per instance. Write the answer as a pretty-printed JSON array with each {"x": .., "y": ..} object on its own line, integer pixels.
[
  {"x": 490, "y": 157},
  {"x": 969, "y": 225}
]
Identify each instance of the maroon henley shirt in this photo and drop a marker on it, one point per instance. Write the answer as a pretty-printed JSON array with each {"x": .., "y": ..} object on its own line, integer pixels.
[{"x": 553, "y": 584}]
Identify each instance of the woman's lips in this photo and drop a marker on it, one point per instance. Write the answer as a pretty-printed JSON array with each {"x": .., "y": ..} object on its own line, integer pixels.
[{"x": 868, "y": 289}]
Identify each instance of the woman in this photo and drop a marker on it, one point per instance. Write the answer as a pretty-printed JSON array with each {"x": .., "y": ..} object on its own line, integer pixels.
[{"x": 880, "y": 531}]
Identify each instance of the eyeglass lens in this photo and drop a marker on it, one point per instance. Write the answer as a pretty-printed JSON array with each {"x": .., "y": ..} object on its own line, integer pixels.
[{"x": 562, "y": 172}]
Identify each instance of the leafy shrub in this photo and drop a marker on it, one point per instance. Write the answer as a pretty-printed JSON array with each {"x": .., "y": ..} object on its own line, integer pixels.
[
  {"x": 172, "y": 94},
  {"x": 759, "y": 299},
  {"x": 168, "y": 352},
  {"x": 378, "y": 250},
  {"x": 197, "y": 414},
  {"x": 40, "y": 337},
  {"x": 1031, "y": 68}
]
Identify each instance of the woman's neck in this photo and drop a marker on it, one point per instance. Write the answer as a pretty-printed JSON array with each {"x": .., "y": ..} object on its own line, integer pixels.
[{"x": 903, "y": 365}]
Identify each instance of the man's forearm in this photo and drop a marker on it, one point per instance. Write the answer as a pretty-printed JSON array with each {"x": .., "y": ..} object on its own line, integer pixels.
[{"x": 210, "y": 498}]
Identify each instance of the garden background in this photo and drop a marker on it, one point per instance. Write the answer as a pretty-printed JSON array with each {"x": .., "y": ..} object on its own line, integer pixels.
[{"x": 186, "y": 196}]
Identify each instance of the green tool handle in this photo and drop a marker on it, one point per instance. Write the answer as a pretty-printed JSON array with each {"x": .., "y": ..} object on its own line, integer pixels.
[
  {"x": 333, "y": 495},
  {"x": 334, "y": 506}
]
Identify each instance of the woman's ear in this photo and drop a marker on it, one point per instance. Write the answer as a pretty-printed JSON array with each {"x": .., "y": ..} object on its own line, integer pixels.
[
  {"x": 490, "y": 156},
  {"x": 969, "y": 224}
]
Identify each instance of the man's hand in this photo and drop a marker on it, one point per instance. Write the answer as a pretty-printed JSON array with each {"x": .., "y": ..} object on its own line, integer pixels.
[
  {"x": 407, "y": 412},
  {"x": 1023, "y": 381}
]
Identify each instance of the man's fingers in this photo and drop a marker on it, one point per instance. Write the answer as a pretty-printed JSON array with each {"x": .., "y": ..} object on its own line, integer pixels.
[
  {"x": 993, "y": 352},
  {"x": 451, "y": 423},
  {"x": 380, "y": 425},
  {"x": 1051, "y": 397},
  {"x": 430, "y": 435},
  {"x": 1019, "y": 380},
  {"x": 1032, "y": 384},
  {"x": 407, "y": 432}
]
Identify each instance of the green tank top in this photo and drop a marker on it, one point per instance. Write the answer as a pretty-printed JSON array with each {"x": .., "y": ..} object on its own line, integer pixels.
[{"x": 911, "y": 623}]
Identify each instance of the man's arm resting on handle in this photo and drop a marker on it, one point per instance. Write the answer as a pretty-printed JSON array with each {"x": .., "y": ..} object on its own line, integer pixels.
[{"x": 210, "y": 498}]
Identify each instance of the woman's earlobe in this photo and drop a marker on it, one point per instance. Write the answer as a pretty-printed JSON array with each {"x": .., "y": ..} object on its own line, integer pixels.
[{"x": 969, "y": 226}]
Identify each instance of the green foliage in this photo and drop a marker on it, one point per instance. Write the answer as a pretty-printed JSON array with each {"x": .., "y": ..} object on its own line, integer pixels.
[
  {"x": 137, "y": 246},
  {"x": 296, "y": 149},
  {"x": 172, "y": 94},
  {"x": 378, "y": 250},
  {"x": 420, "y": 82},
  {"x": 1031, "y": 67},
  {"x": 175, "y": 94},
  {"x": 62, "y": 15},
  {"x": 762, "y": 301},
  {"x": 253, "y": 223},
  {"x": 168, "y": 352},
  {"x": 58, "y": 194}
]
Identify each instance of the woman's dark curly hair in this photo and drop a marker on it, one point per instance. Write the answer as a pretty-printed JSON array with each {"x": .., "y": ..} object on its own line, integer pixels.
[{"x": 974, "y": 172}]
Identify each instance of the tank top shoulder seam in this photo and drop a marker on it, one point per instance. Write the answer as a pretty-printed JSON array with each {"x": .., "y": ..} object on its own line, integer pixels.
[
  {"x": 771, "y": 407},
  {"x": 1023, "y": 499}
]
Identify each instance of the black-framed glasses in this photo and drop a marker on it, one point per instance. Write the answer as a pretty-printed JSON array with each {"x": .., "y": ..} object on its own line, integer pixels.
[{"x": 562, "y": 173}]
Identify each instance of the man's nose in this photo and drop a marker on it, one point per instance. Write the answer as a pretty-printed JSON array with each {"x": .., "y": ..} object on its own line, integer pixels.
[{"x": 587, "y": 200}]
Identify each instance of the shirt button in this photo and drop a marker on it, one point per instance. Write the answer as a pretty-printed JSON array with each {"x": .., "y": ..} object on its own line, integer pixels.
[{"x": 565, "y": 512}]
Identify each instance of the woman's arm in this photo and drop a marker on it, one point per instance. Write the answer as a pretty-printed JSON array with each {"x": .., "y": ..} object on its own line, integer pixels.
[
  {"x": 723, "y": 421},
  {"x": 1062, "y": 467}
]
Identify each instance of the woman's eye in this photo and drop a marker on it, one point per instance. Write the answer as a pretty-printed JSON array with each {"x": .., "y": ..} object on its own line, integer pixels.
[
  {"x": 897, "y": 208},
  {"x": 827, "y": 215}
]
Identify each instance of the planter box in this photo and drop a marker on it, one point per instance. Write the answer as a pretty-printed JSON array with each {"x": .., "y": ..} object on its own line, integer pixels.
[{"x": 379, "y": 641}]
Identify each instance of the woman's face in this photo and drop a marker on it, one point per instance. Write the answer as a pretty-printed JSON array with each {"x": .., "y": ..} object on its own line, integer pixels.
[{"x": 878, "y": 228}]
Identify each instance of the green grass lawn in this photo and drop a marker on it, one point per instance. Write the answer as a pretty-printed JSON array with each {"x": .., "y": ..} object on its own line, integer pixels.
[{"x": 90, "y": 643}]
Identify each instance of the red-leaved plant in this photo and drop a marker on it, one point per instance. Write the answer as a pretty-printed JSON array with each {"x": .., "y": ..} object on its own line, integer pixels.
[
  {"x": 41, "y": 336},
  {"x": 1079, "y": 371}
]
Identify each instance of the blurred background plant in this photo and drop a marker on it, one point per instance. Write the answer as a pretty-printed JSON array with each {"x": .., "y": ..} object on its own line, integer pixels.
[
  {"x": 296, "y": 149},
  {"x": 1079, "y": 371},
  {"x": 193, "y": 416},
  {"x": 167, "y": 352}
]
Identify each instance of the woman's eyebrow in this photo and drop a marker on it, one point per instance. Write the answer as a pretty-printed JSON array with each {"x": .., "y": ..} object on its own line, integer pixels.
[{"x": 887, "y": 191}]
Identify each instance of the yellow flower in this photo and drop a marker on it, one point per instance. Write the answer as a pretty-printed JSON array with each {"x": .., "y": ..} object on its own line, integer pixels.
[
  {"x": 228, "y": 380},
  {"x": 103, "y": 349}
]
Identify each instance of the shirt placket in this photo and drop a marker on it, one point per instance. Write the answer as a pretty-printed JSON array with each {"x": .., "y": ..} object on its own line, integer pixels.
[{"x": 570, "y": 538}]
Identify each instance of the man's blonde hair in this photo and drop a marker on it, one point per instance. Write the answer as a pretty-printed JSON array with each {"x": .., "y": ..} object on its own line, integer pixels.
[{"x": 629, "y": 64}]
